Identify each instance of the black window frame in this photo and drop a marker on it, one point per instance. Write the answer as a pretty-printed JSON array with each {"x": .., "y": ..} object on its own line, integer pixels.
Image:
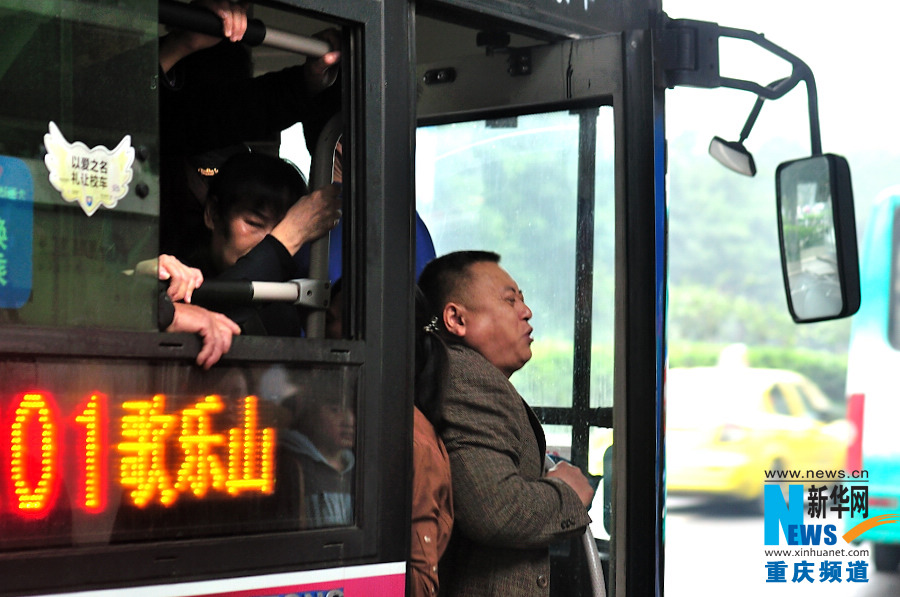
[{"x": 380, "y": 299}]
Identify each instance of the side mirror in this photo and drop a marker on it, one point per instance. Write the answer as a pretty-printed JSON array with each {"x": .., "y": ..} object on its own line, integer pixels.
[
  {"x": 733, "y": 155},
  {"x": 817, "y": 232}
]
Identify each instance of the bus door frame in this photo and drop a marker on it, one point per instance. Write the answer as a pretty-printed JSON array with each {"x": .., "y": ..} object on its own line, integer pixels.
[{"x": 616, "y": 69}]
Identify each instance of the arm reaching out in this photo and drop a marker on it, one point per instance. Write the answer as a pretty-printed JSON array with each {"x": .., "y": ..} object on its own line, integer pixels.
[
  {"x": 215, "y": 329},
  {"x": 179, "y": 44},
  {"x": 183, "y": 280},
  {"x": 309, "y": 218},
  {"x": 320, "y": 73}
]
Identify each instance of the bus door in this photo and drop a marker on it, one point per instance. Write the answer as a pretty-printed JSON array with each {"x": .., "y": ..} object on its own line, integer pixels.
[
  {"x": 123, "y": 464},
  {"x": 544, "y": 149}
]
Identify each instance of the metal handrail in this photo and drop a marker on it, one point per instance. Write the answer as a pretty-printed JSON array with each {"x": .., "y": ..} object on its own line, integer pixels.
[
  {"x": 321, "y": 174},
  {"x": 200, "y": 20}
]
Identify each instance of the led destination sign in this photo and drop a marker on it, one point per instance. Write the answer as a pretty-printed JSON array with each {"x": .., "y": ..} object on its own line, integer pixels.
[{"x": 145, "y": 453}]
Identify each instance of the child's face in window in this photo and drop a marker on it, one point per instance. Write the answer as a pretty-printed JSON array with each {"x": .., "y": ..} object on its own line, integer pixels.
[{"x": 334, "y": 427}]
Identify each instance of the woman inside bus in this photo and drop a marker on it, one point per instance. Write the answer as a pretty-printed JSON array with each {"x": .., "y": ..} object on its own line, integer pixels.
[
  {"x": 210, "y": 103},
  {"x": 257, "y": 224},
  {"x": 432, "y": 498}
]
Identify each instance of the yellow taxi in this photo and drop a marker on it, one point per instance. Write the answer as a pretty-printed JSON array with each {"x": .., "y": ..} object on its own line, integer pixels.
[{"x": 727, "y": 428}]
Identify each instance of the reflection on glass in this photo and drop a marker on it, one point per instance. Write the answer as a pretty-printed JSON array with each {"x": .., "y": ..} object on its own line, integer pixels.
[
  {"x": 808, "y": 237},
  {"x": 316, "y": 462}
]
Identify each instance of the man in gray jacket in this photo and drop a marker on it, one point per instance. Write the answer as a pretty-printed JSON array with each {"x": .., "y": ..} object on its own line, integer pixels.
[{"x": 508, "y": 510}]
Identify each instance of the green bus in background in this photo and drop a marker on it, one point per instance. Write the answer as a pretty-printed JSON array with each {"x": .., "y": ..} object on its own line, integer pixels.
[{"x": 873, "y": 407}]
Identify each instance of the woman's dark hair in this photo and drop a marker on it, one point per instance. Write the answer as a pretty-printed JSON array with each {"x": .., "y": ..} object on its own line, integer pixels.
[
  {"x": 431, "y": 361},
  {"x": 254, "y": 181}
]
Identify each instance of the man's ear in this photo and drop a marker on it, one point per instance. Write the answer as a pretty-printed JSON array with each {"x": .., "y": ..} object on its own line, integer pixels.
[{"x": 455, "y": 319}]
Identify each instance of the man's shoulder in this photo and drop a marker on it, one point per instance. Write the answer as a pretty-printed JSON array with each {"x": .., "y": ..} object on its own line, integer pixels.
[
  {"x": 462, "y": 358},
  {"x": 467, "y": 367}
]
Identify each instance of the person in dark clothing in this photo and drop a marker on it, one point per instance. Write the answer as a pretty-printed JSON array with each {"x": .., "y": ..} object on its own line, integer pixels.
[
  {"x": 256, "y": 225},
  {"x": 210, "y": 104},
  {"x": 318, "y": 462}
]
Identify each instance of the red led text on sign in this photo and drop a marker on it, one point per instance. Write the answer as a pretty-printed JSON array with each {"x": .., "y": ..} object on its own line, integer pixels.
[
  {"x": 34, "y": 457},
  {"x": 241, "y": 460},
  {"x": 92, "y": 444}
]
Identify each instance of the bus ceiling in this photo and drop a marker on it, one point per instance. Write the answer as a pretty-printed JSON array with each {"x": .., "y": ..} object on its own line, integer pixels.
[
  {"x": 814, "y": 195},
  {"x": 558, "y": 20}
]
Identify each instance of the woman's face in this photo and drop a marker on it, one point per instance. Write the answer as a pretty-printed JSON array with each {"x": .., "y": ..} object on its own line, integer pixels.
[{"x": 243, "y": 231}]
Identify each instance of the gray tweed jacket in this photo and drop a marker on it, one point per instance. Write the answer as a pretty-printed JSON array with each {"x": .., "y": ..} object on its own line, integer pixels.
[{"x": 506, "y": 513}]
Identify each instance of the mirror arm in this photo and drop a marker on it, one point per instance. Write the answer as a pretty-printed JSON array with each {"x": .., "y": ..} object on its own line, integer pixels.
[
  {"x": 814, "y": 131},
  {"x": 751, "y": 118},
  {"x": 690, "y": 56},
  {"x": 754, "y": 113}
]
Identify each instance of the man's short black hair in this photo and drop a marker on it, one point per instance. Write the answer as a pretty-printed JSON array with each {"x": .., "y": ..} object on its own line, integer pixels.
[
  {"x": 257, "y": 182},
  {"x": 442, "y": 276}
]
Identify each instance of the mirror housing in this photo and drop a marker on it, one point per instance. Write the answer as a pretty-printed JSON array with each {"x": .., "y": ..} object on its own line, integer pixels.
[
  {"x": 733, "y": 155},
  {"x": 817, "y": 234}
]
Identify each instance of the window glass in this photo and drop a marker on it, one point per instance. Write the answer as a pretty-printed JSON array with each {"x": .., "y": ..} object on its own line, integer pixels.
[
  {"x": 241, "y": 113},
  {"x": 600, "y": 453},
  {"x": 122, "y": 453},
  {"x": 511, "y": 186},
  {"x": 107, "y": 162},
  {"x": 78, "y": 194},
  {"x": 603, "y": 315}
]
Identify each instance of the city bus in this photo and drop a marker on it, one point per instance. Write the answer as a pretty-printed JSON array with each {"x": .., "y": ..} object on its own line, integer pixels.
[
  {"x": 873, "y": 351},
  {"x": 532, "y": 128}
]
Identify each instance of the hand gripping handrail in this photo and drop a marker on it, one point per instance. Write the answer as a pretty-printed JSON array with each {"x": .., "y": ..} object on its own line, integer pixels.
[{"x": 200, "y": 20}]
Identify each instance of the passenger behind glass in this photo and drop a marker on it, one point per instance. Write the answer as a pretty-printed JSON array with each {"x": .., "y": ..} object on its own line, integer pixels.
[
  {"x": 316, "y": 461},
  {"x": 432, "y": 496},
  {"x": 257, "y": 224},
  {"x": 210, "y": 102}
]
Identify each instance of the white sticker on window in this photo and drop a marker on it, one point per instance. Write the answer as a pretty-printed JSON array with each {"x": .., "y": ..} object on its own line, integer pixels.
[{"x": 91, "y": 176}]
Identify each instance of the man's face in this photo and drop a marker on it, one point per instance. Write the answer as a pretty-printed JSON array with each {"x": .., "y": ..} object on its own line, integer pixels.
[
  {"x": 245, "y": 230},
  {"x": 496, "y": 317}
]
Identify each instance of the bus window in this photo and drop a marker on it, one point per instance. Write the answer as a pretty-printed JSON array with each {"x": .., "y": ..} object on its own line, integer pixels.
[
  {"x": 271, "y": 105},
  {"x": 83, "y": 208},
  {"x": 510, "y": 185},
  {"x": 106, "y": 174},
  {"x": 538, "y": 189},
  {"x": 114, "y": 442}
]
